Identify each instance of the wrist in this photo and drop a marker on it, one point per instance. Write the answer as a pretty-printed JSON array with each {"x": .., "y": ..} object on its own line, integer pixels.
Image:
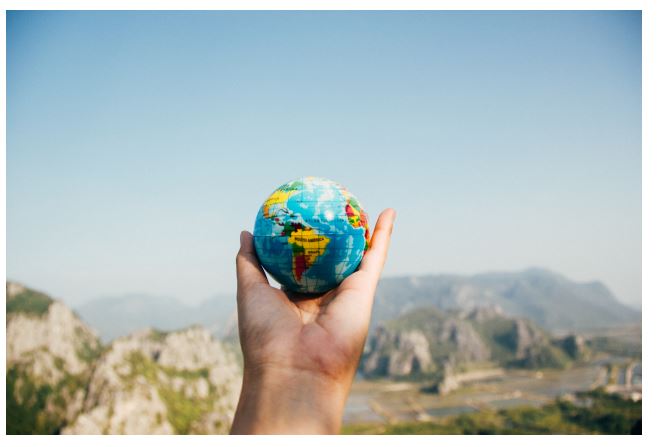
[{"x": 289, "y": 401}]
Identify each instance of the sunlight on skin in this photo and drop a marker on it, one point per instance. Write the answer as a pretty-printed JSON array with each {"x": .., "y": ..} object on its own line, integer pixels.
[{"x": 305, "y": 347}]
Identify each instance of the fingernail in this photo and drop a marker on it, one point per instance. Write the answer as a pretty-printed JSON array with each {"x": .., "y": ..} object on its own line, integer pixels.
[{"x": 242, "y": 238}]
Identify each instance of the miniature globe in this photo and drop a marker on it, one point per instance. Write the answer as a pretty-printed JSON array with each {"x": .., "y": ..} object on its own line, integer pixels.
[{"x": 310, "y": 234}]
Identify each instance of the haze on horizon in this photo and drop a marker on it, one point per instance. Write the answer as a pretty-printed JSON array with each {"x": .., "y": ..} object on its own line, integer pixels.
[{"x": 139, "y": 144}]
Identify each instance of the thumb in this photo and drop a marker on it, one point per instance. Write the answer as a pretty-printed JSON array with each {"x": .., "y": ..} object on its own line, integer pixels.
[{"x": 249, "y": 270}]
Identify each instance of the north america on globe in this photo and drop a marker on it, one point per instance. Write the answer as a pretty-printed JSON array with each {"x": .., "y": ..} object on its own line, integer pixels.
[{"x": 310, "y": 234}]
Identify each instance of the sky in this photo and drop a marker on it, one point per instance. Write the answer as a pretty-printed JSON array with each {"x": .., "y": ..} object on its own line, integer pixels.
[{"x": 139, "y": 144}]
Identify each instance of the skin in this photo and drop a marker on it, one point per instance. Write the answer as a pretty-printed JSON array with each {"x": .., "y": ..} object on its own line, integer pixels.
[{"x": 301, "y": 352}]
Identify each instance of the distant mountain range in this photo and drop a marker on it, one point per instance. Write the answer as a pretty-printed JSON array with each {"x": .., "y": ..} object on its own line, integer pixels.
[
  {"x": 547, "y": 298},
  {"x": 117, "y": 316}
]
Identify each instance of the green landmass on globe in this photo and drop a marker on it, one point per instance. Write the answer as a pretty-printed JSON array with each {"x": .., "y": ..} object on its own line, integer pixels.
[{"x": 310, "y": 234}]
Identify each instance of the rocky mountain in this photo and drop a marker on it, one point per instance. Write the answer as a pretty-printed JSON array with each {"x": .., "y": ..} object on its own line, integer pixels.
[
  {"x": 430, "y": 343},
  {"x": 119, "y": 316},
  {"x": 549, "y": 299},
  {"x": 181, "y": 382},
  {"x": 61, "y": 379},
  {"x": 50, "y": 357}
]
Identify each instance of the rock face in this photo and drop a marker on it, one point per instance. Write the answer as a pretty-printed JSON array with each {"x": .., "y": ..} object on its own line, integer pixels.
[
  {"x": 399, "y": 354},
  {"x": 575, "y": 347},
  {"x": 429, "y": 343},
  {"x": 420, "y": 342},
  {"x": 50, "y": 355},
  {"x": 447, "y": 381},
  {"x": 181, "y": 382},
  {"x": 60, "y": 379}
]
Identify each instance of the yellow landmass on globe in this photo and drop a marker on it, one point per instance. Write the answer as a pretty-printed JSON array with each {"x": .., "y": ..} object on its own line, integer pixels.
[
  {"x": 279, "y": 197},
  {"x": 307, "y": 246}
]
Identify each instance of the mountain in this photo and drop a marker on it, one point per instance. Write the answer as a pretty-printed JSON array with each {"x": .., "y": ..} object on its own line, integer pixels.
[
  {"x": 430, "y": 343},
  {"x": 181, "y": 382},
  {"x": 114, "y": 317},
  {"x": 62, "y": 379},
  {"x": 549, "y": 299},
  {"x": 50, "y": 356}
]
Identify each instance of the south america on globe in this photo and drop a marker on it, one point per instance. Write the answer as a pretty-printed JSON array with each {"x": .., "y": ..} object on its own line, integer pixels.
[{"x": 310, "y": 234}]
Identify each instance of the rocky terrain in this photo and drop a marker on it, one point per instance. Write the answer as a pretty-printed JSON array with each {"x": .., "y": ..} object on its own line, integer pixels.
[
  {"x": 50, "y": 355},
  {"x": 439, "y": 330},
  {"x": 429, "y": 343},
  {"x": 60, "y": 379},
  {"x": 161, "y": 383}
]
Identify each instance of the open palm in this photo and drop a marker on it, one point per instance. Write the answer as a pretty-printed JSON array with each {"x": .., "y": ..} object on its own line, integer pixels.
[{"x": 321, "y": 335}]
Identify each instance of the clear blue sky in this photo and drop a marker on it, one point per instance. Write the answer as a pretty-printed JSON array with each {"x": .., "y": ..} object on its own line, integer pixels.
[{"x": 140, "y": 144}]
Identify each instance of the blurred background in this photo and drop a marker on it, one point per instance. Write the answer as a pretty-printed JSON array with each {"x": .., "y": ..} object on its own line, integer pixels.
[{"x": 139, "y": 144}]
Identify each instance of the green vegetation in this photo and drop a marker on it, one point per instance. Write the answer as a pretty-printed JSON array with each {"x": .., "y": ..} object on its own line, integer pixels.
[
  {"x": 542, "y": 356},
  {"x": 34, "y": 408},
  {"x": 158, "y": 335},
  {"x": 425, "y": 317},
  {"x": 592, "y": 412},
  {"x": 616, "y": 346},
  {"x": 26, "y": 405},
  {"x": 502, "y": 339},
  {"x": 29, "y": 302},
  {"x": 90, "y": 349},
  {"x": 499, "y": 334},
  {"x": 182, "y": 411}
]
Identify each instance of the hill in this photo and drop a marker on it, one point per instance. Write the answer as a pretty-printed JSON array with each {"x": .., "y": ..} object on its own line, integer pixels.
[
  {"x": 50, "y": 354},
  {"x": 181, "y": 382},
  {"x": 549, "y": 299},
  {"x": 427, "y": 343},
  {"x": 62, "y": 379}
]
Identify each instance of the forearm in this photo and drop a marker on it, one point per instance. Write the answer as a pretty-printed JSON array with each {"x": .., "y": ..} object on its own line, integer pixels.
[{"x": 289, "y": 402}]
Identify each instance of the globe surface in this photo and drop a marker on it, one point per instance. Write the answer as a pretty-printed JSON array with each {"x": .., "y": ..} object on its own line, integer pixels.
[{"x": 310, "y": 234}]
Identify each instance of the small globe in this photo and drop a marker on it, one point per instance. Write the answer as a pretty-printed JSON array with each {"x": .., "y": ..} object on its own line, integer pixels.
[{"x": 310, "y": 234}]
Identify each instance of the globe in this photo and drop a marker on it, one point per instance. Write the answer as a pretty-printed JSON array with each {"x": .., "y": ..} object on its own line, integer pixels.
[{"x": 310, "y": 234}]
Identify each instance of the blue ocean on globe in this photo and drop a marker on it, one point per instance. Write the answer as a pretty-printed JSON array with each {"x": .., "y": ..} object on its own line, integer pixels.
[{"x": 310, "y": 234}]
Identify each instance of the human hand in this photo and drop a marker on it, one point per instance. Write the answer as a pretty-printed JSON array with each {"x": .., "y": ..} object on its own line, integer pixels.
[{"x": 301, "y": 352}]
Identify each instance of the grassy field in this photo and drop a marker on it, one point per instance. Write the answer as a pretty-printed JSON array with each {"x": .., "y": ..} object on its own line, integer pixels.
[{"x": 591, "y": 412}]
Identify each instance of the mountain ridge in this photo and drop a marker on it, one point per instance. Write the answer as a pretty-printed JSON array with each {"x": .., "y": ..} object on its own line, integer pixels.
[{"x": 549, "y": 298}]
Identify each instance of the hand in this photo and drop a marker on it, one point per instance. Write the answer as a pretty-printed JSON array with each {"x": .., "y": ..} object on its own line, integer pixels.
[{"x": 301, "y": 352}]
